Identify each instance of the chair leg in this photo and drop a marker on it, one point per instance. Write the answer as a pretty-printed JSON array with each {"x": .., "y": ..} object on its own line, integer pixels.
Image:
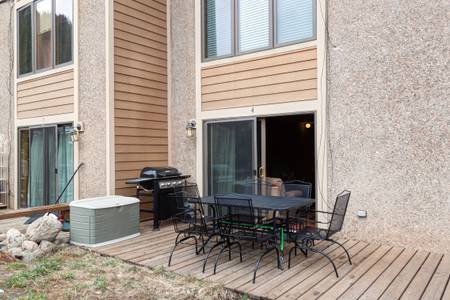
[
  {"x": 259, "y": 262},
  {"x": 279, "y": 264},
  {"x": 240, "y": 248},
  {"x": 209, "y": 253},
  {"x": 290, "y": 253},
  {"x": 340, "y": 245},
  {"x": 203, "y": 244},
  {"x": 207, "y": 241},
  {"x": 224, "y": 246},
  {"x": 229, "y": 249},
  {"x": 177, "y": 242},
  {"x": 325, "y": 255}
]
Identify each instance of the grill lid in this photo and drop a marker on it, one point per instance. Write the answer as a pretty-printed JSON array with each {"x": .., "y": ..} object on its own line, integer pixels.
[{"x": 159, "y": 172}]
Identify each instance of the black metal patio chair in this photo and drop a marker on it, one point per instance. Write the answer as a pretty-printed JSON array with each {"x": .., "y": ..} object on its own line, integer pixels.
[
  {"x": 291, "y": 189},
  {"x": 237, "y": 222},
  {"x": 190, "y": 221},
  {"x": 304, "y": 239},
  {"x": 297, "y": 188},
  {"x": 257, "y": 186}
]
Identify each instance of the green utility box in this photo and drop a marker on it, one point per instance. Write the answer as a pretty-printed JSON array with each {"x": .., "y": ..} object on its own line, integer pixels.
[{"x": 101, "y": 221}]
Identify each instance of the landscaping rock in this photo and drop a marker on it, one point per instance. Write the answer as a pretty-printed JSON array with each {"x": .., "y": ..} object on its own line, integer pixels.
[
  {"x": 15, "y": 252},
  {"x": 2, "y": 237},
  {"x": 46, "y": 247},
  {"x": 29, "y": 246},
  {"x": 29, "y": 256},
  {"x": 14, "y": 238},
  {"x": 45, "y": 228},
  {"x": 62, "y": 238}
]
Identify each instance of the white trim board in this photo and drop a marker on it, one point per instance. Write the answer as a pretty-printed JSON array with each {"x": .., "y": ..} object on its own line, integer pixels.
[
  {"x": 109, "y": 101},
  {"x": 259, "y": 54},
  {"x": 55, "y": 119},
  {"x": 290, "y": 108},
  {"x": 49, "y": 72}
]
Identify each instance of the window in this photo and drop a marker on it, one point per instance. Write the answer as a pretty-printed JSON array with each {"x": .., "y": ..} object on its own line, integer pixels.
[
  {"x": 45, "y": 165},
  {"x": 45, "y": 35},
  {"x": 63, "y": 31},
  {"x": 233, "y": 27},
  {"x": 253, "y": 24},
  {"x": 25, "y": 40},
  {"x": 218, "y": 31},
  {"x": 294, "y": 20}
]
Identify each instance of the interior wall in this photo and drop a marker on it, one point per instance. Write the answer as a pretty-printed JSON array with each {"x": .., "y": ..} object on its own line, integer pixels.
[{"x": 389, "y": 116}]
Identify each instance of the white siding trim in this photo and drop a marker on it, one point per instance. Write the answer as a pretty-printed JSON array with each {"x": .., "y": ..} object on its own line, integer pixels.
[{"x": 109, "y": 101}]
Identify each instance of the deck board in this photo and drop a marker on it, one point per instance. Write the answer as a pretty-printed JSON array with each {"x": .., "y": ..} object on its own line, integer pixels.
[{"x": 378, "y": 271}]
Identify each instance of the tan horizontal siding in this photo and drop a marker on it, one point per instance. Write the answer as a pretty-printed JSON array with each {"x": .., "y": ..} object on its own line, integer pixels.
[
  {"x": 276, "y": 78},
  {"x": 45, "y": 96},
  {"x": 140, "y": 88}
]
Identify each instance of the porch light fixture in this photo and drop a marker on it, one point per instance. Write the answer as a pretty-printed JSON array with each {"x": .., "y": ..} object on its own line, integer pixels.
[
  {"x": 75, "y": 131},
  {"x": 191, "y": 126}
]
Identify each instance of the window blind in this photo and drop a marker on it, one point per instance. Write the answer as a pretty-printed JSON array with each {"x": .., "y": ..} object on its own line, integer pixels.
[
  {"x": 253, "y": 24},
  {"x": 295, "y": 20},
  {"x": 218, "y": 39}
]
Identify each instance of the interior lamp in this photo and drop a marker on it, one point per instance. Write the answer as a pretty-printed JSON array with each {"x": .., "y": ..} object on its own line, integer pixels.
[{"x": 308, "y": 125}]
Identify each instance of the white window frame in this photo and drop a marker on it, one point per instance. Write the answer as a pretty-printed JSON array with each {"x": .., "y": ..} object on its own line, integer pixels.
[
  {"x": 33, "y": 40},
  {"x": 235, "y": 32}
]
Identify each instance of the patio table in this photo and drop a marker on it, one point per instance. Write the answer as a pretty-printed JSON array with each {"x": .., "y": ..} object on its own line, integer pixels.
[{"x": 271, "y": 203}]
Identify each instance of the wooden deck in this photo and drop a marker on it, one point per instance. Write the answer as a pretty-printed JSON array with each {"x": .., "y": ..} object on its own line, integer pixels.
[{"x": 378, "y": 271}]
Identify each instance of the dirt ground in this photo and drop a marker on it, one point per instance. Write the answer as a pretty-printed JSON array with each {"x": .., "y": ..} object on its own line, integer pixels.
[{"x": 74, "y": 273}]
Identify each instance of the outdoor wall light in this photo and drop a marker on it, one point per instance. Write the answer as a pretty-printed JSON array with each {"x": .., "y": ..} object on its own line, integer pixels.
[
  {"x": 191, "y": 126},
  {"x": 75, "y": 131}
]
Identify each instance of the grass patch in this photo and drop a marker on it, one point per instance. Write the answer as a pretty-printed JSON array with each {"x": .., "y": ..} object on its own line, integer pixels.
[
  {"x": 16, "y": 266},
  {"x": 111, "y": 262},
  {"x": 101, "y": 283},
  {"x": 43, "y": 268},
  {"x": 32, "y": 295},
  {"x": 68, "y": 276}
]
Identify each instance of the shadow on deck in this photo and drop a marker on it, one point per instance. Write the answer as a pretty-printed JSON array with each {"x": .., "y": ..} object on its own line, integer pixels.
[{"x": 378, "y": 271}]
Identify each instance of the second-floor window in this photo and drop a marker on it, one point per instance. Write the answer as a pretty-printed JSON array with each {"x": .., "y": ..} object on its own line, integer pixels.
[
  {"x": 233, "y": 27},
  {"x": 44, "y": 35}
]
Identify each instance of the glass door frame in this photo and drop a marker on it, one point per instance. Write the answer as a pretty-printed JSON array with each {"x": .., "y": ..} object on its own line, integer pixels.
[
  {"x": 29, "y": 128},
  {"x": 206, "y": 143}
]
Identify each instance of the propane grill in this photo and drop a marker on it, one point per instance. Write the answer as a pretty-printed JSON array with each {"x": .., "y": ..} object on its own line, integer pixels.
[{"x": 159, "y": 182}]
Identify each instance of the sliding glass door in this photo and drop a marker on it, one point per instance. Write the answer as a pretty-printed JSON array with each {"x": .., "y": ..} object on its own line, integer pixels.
[
  {"x": 45, "y": 166},
  {"x": 231, "y": 154},
  {"x": 42, "y": 166}
]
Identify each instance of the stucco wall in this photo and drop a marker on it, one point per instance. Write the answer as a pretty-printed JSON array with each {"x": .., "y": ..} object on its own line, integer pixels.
[
  {"x": 92, "y": 97},
  {"x": 389, "y": 110},
  {"x": 6, "y": 81},
  {"x": 182, "y": 100}
]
